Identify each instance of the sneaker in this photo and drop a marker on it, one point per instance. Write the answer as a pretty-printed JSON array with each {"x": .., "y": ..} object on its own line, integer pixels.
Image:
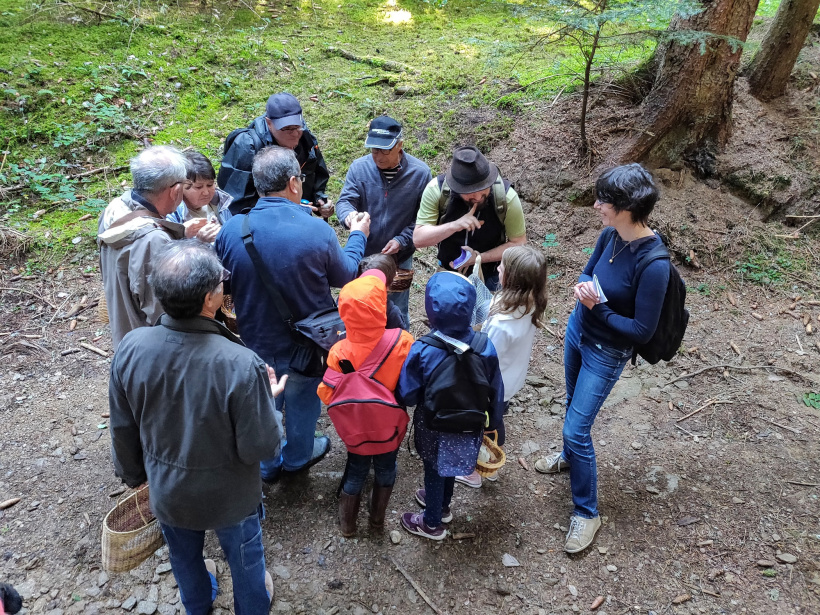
[
  {"x": 581, "y": 533},
  {"x": 210, "y": 566},
  {"x": 414, "y": 523},
  {"x": 446, "y": 514},
  {"x": 269, "y": 585},
  {"x": 321, "y": 447},
  {"x": 492, "y": 477},
  {"x": 471, "y": 480},
  {"x": 551, "y": 464}
]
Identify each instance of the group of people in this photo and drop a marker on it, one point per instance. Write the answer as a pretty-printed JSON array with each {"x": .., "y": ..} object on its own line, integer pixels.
[{"x": 198, "y": 412}]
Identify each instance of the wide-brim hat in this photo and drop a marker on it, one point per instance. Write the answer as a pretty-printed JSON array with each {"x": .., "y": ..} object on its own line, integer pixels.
[{"x": 470, "y": 171}]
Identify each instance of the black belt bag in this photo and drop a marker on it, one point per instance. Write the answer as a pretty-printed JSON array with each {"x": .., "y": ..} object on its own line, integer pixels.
[{"x": 313, "y": 335}]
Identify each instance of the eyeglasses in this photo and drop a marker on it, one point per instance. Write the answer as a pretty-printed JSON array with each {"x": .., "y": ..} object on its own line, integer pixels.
[
  {"x": 291, "y": 128},
  {"x": 186, "y": 184},
  {"x": 301, "y": 177}
]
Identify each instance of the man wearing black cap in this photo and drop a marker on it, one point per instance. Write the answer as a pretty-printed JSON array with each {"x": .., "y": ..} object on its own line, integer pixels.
[
  {"x": 387, "y": 183},
  {"x": 470, "y": 209},
  {"x": 284, "y": 126}
]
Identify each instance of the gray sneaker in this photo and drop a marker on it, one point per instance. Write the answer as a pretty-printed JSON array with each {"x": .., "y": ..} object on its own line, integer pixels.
[
  {"x": 551, "y": 464},
  {"x": 581, "y": 533}
]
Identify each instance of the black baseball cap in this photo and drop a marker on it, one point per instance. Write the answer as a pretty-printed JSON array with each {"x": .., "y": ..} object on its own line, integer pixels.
[
  {"x": 384, "y": 132},
  {"x": 284, "y": 110}
]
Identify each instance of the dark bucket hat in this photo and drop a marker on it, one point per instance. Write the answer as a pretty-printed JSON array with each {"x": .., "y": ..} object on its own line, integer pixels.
[{"x": 470, "y": 171}]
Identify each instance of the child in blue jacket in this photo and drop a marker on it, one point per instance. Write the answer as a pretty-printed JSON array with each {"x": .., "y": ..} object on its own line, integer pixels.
[{"x": 448, "y": 299}]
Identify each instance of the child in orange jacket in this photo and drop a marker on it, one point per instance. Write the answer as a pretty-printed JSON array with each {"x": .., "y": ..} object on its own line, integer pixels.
[{"x": 363, "y": 308}]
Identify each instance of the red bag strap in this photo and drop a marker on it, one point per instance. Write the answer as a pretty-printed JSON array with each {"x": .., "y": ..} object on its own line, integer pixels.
[{"x": 380, "y": 352}]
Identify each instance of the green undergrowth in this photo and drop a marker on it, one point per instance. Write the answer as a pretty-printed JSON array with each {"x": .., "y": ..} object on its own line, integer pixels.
[{"x": 80, "y": 91}]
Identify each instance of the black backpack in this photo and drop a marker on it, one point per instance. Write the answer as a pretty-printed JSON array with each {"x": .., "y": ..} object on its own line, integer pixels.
[
  {"x": 458, "y": 396},
  {"x": 674, "y": 316}
]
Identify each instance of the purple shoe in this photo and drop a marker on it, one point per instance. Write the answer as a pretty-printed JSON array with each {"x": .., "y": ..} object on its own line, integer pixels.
[
  {"x": 414, "y": 523},
  {"x": 446, "y": 514}
]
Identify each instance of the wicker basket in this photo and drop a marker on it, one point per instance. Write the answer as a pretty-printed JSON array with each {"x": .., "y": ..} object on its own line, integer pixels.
[
  {"x": 402, "y": 281},
  {"x": 130, "y": 533},
  {"x": 102, "y": 310},
  {"x": 486, "y": 468},
  {"x": 229, "y": 314}
]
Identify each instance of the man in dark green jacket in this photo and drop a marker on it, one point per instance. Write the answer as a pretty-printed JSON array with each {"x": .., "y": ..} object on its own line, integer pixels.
[
  {"x": 192, "y": 413},
  {"x": 284, "y": 126}
]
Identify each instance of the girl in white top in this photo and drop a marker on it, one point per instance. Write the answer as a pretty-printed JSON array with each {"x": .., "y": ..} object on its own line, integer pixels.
[{"x": 515, "y": 315}]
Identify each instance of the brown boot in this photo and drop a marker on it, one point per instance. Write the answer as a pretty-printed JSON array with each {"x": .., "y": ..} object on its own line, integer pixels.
[
  {"x": 348, "y": 511},
  {"x": 378, "y": 505}
]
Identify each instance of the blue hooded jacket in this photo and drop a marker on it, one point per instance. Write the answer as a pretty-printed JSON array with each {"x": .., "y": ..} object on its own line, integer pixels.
[{"x": 448, "y": 299}]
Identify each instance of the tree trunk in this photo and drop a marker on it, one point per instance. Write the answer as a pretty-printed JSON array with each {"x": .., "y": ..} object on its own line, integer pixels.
[
  {"x": 690, "y": 104},
  {"x": 773, "y": 63}
]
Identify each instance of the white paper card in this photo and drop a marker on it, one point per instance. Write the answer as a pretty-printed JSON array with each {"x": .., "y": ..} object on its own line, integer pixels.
[{"x": 598, "y": 289}]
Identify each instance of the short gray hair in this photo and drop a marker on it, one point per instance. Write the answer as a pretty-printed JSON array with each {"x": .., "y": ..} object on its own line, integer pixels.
[
  {"x": 156, "y": 168},
  {"x": 272, "y": 169},
  {"x": 182, "y": 273}
]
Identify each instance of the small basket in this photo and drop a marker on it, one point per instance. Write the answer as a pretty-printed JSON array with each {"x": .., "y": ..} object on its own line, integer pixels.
[
  {"x": 102, "y": 310},
  {"x": 486, "y": 468},
  {"x": 130, "y": 533},
  {"x": 402, "y": 281},
  {"x": 229, "y": 315}
]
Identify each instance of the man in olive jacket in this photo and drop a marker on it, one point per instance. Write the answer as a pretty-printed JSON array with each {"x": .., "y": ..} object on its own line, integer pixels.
[{"x": 192, "y": 413}]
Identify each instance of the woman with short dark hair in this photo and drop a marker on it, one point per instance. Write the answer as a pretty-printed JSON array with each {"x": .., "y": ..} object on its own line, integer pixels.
[{"x": 614, "y": 313}]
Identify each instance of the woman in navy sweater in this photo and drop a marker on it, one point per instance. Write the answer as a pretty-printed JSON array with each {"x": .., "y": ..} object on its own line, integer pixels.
[{"x": 603, "y": 329}]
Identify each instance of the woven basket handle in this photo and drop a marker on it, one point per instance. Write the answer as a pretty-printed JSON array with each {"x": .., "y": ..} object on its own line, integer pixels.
[
  {"x": 137, "y": 499},
  {"x": 493, "y": 435}
]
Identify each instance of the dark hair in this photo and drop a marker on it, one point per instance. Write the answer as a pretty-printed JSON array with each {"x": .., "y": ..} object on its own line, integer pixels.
[
  {"x": 525, "y": 283},
  {"x": 628, "y": 187},
  {"x": 198, "y": 167},
  {"x": 182, "y": 274},
  {"x": 383, "y": 262},
  {"x": 272, "y": 169}
]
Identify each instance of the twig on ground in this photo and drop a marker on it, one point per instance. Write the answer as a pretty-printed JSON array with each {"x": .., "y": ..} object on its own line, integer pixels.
[
  {"x": 415, "y": 586},
  {"x": 787, "y": 428},
  {"x": 711, "y": 402},
  {"x": 743, "y": 368},
  {"x": 801, "y": 484},
  {"x": 28, "y": 292},
  {"x": 554, "y": 334},
  {"x": 99, "y": 351},
  {"x": 18, "y": 187}
]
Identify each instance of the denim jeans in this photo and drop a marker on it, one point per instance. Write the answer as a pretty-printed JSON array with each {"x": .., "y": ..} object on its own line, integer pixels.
[
  {"x": 358, "y": 467},
  {"x": 301, "y": 407},
  {"x": 242, "y": 545},
  {"x": 402, "y": 300},
  {"x": 590, "y": 370},
  {"x": 437, "y": 496}
]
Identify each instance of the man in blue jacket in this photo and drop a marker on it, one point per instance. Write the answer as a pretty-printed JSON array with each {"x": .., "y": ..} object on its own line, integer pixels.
[
  {"x": 303, "y": 257},
  {"x": 387, "y": 183}
]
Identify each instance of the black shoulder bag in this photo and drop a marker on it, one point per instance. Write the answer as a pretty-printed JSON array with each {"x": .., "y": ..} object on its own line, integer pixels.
[{"x": 313, "y": 335}]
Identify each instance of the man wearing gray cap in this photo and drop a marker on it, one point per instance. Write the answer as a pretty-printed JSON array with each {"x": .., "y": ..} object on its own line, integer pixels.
[
  {"x": 388, "y": 184},
  {"x": 468, "y": 211},
  {"x": 282, "y": 125}
]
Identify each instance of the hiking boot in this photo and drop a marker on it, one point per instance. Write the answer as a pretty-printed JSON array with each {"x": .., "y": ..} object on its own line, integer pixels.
[
  {"x": 414, "y": 523},
  {"x": 348, "y": 512},
  {"x": 379, "y": 499},
  {"x": 581, "y": 533},
  {"x": 471, "y": 480},
  {"x": 446, "y": 514},
  {"x": 551, "y": 464}
]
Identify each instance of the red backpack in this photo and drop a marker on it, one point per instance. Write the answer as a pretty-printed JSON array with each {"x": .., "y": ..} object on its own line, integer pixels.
[{"x": 363, "y": 410}]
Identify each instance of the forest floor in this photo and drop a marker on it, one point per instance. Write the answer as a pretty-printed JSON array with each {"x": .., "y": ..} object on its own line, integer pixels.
[{"x": 708, "y": 484}]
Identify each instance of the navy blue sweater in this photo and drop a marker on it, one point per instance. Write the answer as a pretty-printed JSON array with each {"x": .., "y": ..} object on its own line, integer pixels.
[
  {"x": 630, "y": 315},
  {"x": 304, "y": 259}
]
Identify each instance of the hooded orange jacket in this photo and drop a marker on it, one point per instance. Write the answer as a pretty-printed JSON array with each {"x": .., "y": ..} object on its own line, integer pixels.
[{"x": 363, "y": 308}]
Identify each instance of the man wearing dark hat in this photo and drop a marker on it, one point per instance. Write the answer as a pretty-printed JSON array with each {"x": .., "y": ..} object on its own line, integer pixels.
[
  {"x": 388, "y": 184},
  {"x": 472, "y": 209},
  {"x": 284, "y": 126}
]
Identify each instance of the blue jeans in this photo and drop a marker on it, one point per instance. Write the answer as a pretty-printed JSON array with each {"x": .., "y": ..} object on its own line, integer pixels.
[
  {"x": 437, "y": 496},
  {"x": 242, "y": 545},
  {"x": 402, "y": 300},
  {"x": 590, "y": 370},
  {"x": 358, "y": 467},
  {"x": 301, "y": 407}
]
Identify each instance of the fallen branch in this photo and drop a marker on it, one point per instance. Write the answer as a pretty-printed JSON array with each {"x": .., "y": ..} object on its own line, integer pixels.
[
  {"x": 787, "y": 428},
  {"x": 416, "y": 586},
  {"x": 798, "y": 483},
  {"x": 743, "y": 368},
  {"x": 389, "y": 65},
  {"x": 28, "y": 292},
  {"x": 99, "y": 351},
  {"x": 711, "y": 402}
]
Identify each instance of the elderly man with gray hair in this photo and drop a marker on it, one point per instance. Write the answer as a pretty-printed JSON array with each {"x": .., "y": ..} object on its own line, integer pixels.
[
  {"x": 302, "y": 257},
  {"x": 192, "y": 413},
  {"x": 132, "y": 228}
]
